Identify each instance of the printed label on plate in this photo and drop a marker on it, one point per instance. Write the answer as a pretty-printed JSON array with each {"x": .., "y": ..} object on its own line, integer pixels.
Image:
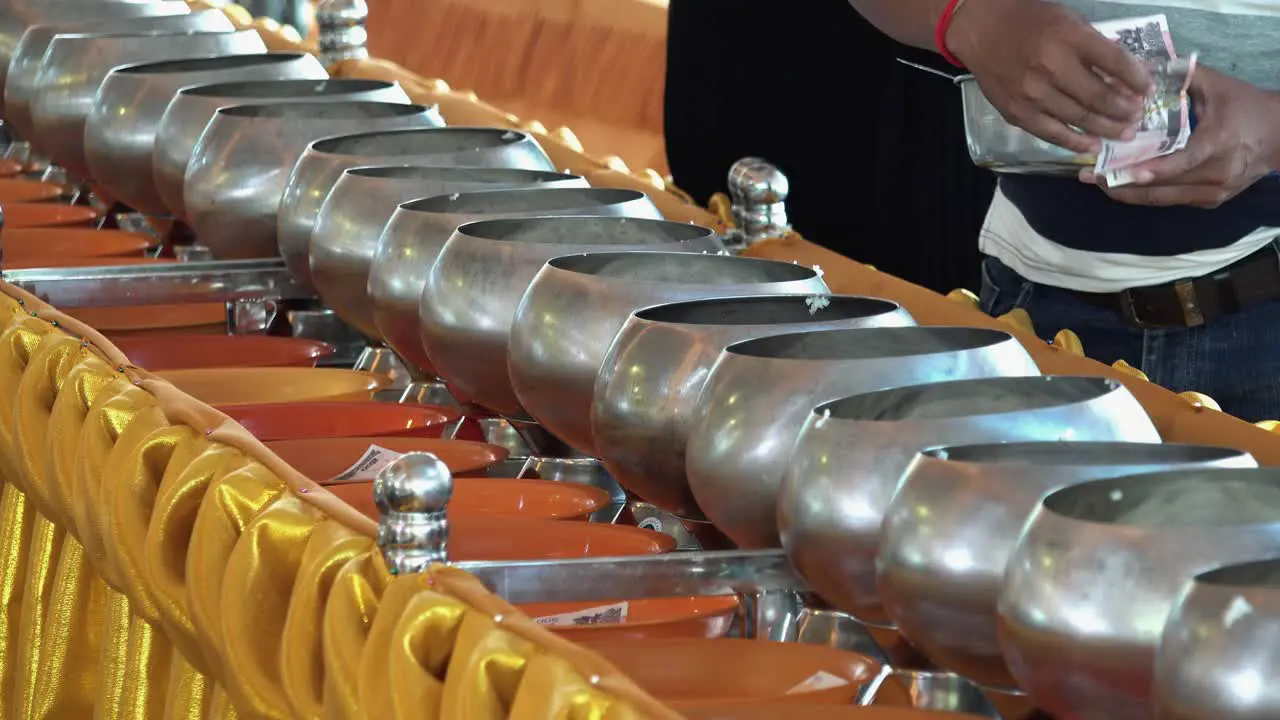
[
  {"x": 821, "y": 680},
  {"x": 369, "y": 464},
  {"x": 600, "y": 615}
]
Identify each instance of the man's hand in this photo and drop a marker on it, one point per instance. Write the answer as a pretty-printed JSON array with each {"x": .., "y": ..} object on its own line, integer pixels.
[
  {"x": 1236, "y": 142},
  {"x": 1043, "y": 68}
]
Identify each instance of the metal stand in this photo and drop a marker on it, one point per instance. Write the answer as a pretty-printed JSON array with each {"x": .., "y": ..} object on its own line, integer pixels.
[
  {"x": 193, "y": 282},
  {"x": 412, "y": 493}
]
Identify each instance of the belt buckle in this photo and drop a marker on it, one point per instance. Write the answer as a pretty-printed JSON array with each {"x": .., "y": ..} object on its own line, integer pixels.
[
  {"x": 1184, "y": 290},
  {"x": 1130, "y": 312}
]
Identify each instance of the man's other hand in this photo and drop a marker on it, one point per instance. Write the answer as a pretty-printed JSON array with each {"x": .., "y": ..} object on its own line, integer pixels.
[
  {"x": 1236, "y": 142},
  {"x": 1048, "y": 71}
]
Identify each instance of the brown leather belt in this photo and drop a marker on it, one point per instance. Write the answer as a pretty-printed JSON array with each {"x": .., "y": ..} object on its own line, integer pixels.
[{"x": 1194, "y": 302}]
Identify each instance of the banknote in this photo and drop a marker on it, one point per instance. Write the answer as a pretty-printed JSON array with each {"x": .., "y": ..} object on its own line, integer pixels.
[
  {"x": 1156, "y": 137},
  {"x": 1166, "y": 122}
]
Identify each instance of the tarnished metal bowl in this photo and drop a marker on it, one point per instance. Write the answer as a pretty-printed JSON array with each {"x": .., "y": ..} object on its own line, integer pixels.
[
  {"x": 972, "y": 501},
  {"x": 25, "y": 34},
  {"x": 853, "y": 452},
  {"x": 418, "y": 231},
  {"x": 352, "y": 218},
  {"x": 1099, "y": 567},
  {"x": 241, "y": 164},
  {"x": 76, "y": 65},
  {"x": 472, "y": 291},
  {"x": 120, "y": 131},
  {"x": 1220, "y": 648},
  {"x": 647, "y": 391},
  {"x": 576, "y": 305},
  {"x": 324, "y": 160},
  {"x": 190, "y": 112},
  {"x": 760, "y": 392}
]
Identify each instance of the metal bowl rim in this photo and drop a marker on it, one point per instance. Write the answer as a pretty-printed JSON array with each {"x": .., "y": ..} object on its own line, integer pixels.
[
  {"x": 489, "y": 230},
  {"x": 431, "y": 205},
  {"x": 256, "y": 111},
  {"x": 881, "y": 305},
  {"x": 350, "y": 85},
  {"x": 385, "y": 172},
  {"x": 830, "y": 410},
  {"x": 321, "y": 145},
  {"x": 980, "y": 338},
  {"x": 1058, "y": 503},
  {"x": 566, "y": 262},
  {"x": 1003, "y": 454},
  {"x": 262, "y": 58}
]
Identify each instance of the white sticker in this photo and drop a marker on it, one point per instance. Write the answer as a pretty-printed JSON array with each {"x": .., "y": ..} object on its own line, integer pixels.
[
  {"x": 821, "y": 680},
  {"x": 601, "y": 615},
  {"x": 369, "y": 465}
]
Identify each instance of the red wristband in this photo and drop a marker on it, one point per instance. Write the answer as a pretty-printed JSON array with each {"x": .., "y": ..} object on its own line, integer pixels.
[{"x": 940, "y": 33}]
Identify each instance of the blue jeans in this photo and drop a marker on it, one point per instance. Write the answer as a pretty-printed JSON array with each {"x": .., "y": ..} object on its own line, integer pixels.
[{"x": 1234, "y": 359}]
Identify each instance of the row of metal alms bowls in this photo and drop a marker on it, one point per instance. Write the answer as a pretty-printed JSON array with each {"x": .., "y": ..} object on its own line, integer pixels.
[
  {"x": 96, "y": 75},
  {"x": 1075, "y": 393},
  {"x": 1117, "y": 417}
]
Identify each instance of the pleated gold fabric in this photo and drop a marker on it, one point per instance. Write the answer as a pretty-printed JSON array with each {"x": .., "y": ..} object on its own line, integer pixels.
[{"x": 159, "y": 563}]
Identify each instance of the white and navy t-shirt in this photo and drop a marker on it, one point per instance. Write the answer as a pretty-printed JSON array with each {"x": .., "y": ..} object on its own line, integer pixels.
[{"x": 1060, "y": 232}]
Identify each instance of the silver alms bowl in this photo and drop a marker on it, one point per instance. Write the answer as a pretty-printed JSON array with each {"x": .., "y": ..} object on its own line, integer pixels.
[
  {"x": 1100, "y": 566},
  {"x": 25, "y": 36},
  {"x": 358, "y": 209},
  {"x": 472, "y": 292},
  {"x": 241, "y": 166},
  {"x": 577, "y": 304},
  {"x": 418, "y": 231},
  {"x": 853, "y": 453},
  {"x": 190, "y": 112},
  {"x": 760, "y": 392},
  {"x": 120, "y": 131},
  {"x": 324, "y": 160},
  {"x": 1221, "y": 646},
  {"x": 972, "y": 501},
  {"x": 647, "y": 391}
]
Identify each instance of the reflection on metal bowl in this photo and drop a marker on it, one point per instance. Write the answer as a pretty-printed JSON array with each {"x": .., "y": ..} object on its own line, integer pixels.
[
  {"x": 760, "y": 392},
  {"x": 648, "y": 387},
  {"x": 997, "y": 144},
  {"x": 577, "y": 304},
  {"x": 190, "y": 112},
  {"x": 1219, "y": 649},
  {"x": 24, "y": 42},
  {"x": 971, "y": 501},
  {"x": 472, "y": 292},
  {"x": 324, "y": 160},
  {"x": 74, "y": 67},
  {"x": 358, "y": 209},
  {"x": 418, "y": 231},
  {"x": 241, "y": 165},
  {"x": 852, "y": 453},
  {"x": 1099, "y": 568},
  {"x": 120, "y": 131}
]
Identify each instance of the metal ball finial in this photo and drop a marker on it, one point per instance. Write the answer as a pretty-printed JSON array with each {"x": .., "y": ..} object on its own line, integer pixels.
[
  {"x": 755, "y": 181},
  {"x": 758, "y": 192},
  {"x": 414, "y": 483},
  {"x": 340, "y": 25},
  {"x": 412, "y": 494}
]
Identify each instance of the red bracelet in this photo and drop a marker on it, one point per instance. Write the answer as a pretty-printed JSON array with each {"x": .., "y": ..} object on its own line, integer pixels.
[{"x": 940, "y": 32}]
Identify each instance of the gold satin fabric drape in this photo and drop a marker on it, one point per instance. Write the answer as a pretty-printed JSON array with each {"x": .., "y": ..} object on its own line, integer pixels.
[{"x": 158, "y": 562}]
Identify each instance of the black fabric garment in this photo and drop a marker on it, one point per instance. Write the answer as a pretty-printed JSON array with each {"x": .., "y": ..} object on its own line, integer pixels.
[
  {"x": 875, "y": 151},
  {"x": 1082, "y": 217}
]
